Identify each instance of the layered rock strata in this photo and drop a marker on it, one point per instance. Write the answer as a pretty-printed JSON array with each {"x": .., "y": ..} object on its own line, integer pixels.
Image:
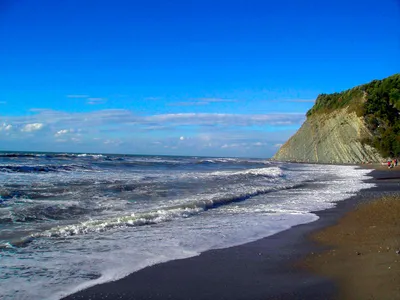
[{"x": 330, "y": 138}]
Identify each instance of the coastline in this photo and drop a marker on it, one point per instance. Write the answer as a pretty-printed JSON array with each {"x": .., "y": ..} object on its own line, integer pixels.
[
  {"x": 363, "y": 255},
  {"x": 264, "y": 269}
]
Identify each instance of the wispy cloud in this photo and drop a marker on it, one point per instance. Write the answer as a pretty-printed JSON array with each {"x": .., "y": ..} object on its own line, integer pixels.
[
  {"x": 115, "y": 117},
  {"x": 61, "y": 132},
  {"x": 114, "y": 142},
  {"x": 246, "y": 144},
  {"x": 212, "y": 119},
  {"x": 234, "y": 145},
  {"x": 89, "y": 100},
  {"x": 32, "y": 127},
  {"x": 122, "y": 130},
  {"x": 96, "y": 100},
  {"x": 5, "y": 127},
  {"x": 3, "y": 102},
  {"x": 259, "y": 144}
]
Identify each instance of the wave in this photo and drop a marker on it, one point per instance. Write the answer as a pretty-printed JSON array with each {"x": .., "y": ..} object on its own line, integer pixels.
[
  {"x": 130, "y": 160},
  {"x": 228, "y": 160},
  {"x": 271, "y": 172},
  {"x": 42, "y": 168},
  {"x": 31, "y": 211},
  {"x": 53, "y": 155},
  {"x": 216, "y": 160},
  {"x": 156, "y": 216},
  {"x": 12, "y": 155}
]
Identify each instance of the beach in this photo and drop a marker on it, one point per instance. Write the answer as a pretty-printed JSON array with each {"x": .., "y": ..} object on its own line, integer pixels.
[
  {"x": 364, "y": 247},
  {"x": 309, "y": 261}
]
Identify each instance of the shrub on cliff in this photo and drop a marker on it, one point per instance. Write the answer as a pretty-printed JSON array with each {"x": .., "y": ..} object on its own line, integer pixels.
[{"x": 378, "y": 102}]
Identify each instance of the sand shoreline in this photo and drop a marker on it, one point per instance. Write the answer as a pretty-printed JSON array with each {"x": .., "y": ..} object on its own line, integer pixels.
[
  {"x": 264, "y": 269},
  {"x": 364, "y": 251},
  {"x": 364, "y": 247}
]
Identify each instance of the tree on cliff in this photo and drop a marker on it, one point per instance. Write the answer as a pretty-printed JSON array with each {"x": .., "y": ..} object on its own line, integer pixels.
[{"x": 378, "y": 102}]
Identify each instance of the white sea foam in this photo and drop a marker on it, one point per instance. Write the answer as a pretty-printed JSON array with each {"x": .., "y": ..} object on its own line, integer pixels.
[
  {"x": 270, "y": 172},
  {"x": 186, "y": 208},
  {"x": 95, "y": 156},
  {"x": 250, "y": 204}
]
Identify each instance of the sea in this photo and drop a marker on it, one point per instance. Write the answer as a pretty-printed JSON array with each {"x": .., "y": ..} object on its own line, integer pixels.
[{"x": 71, "y": 221}]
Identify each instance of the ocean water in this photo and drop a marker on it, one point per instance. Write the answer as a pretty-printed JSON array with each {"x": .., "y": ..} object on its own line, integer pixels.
[{"x": 70, "y": 221}]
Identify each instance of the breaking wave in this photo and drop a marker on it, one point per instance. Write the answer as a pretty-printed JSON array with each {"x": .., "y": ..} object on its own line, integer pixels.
[
  {"x": 272, "y": 172},
  {"x": 154, "y": 217}
]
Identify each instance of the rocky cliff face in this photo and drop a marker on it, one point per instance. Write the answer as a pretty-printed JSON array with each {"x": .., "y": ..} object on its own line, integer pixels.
[{"x": 329, "y": 138}]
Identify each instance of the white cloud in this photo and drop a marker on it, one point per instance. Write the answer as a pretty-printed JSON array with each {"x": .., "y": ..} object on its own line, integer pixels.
[
  {"x": 119, "y": 117},
  {"x": 5, "y": 127},
  {"x": 211, "y": 119},
  {"x": 259, "y": 144},
  {"x": 234, "y": 145},
  {"x": 113, "y": 127},
  {"x": 32, "y": 127},
  {"x": 90, "y": 100},
  {"x": 61, "y": 132},
  {"x": 278, "y": 145}
]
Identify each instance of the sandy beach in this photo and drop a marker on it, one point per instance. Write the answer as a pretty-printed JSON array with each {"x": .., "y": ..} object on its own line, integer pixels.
[
  {"x": 364, "y": 254},
  {"x": 349, "y": 253},
  {"x": 364, "y": 258}
]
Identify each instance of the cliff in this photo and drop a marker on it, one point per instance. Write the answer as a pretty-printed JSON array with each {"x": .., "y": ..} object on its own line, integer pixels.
[
  {"x": 361, "y": 124},
  {"x": 330, "y": 138}
]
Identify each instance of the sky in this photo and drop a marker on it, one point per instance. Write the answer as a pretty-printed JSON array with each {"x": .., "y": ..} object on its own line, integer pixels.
[{"x": 194, "y": 77}]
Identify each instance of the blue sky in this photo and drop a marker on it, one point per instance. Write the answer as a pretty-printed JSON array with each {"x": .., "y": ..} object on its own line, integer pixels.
[{"x": 214, "y": 78}]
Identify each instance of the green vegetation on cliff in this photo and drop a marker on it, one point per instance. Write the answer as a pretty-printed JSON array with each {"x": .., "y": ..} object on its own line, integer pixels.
[{"x": 379, "y": 103}]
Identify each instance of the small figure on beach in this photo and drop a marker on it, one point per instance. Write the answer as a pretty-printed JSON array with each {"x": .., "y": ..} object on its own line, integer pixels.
[{"x": 389, "y": 163}]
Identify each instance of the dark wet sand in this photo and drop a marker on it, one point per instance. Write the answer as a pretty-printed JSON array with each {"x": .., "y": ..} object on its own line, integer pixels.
[{"x": 265, "y": 269}]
